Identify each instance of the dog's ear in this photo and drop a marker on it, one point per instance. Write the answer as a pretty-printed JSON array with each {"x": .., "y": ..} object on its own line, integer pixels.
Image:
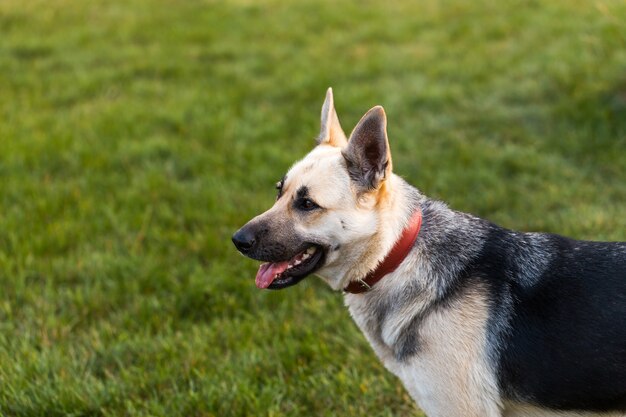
[
  {"x": 331, "y": 132},
  {"x": 367, "y": 155}
]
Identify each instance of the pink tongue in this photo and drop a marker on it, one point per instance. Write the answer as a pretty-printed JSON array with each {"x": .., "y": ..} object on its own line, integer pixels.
[{"x": 268, "y": 271}]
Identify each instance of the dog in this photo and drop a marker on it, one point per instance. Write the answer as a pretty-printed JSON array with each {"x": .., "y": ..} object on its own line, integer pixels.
[{"x": 476, "y": 320}]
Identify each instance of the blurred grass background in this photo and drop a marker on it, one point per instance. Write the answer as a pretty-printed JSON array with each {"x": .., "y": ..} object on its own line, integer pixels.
[{"x": 136, "y": 136}]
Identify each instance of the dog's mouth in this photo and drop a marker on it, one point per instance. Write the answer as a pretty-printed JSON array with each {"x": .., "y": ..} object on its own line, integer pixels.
[{"x": 277, "y": 275}]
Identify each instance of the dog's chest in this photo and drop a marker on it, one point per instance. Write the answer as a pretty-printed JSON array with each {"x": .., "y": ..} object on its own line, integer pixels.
[{"x": 449, "y": 370}]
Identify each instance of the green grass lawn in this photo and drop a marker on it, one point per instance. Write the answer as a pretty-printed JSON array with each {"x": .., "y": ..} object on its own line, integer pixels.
[{"x": 136, "y": 136}]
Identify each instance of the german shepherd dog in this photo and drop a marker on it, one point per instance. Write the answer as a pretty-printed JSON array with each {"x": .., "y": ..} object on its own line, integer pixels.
[{"x": 476, "y": 320}]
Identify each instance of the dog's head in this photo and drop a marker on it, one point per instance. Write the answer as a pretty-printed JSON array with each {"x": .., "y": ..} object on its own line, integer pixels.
[{"x": 328, "y": 209}]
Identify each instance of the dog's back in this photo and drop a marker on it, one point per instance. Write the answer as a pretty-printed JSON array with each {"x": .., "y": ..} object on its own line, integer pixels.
[{"x": 565, "y": 346}]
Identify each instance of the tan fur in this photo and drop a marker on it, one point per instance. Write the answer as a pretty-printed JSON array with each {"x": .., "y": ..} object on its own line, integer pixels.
[
  {"x": 383, "y": 195},
  {"x": 450, "y": 377}
]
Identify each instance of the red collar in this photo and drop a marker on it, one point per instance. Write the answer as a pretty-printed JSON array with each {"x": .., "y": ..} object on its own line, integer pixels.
[{"x": 393, "y": 259}]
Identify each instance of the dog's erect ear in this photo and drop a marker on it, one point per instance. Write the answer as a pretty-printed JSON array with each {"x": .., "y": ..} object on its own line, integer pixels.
[
  {"x": 331, "y": 132},
  {"x": 367, "y": 155}
]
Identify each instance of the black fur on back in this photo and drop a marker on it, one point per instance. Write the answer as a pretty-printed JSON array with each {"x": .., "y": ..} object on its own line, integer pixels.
[{"x": 558, "y": 318}]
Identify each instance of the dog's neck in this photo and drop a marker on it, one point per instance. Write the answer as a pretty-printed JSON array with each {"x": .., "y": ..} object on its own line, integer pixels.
[
  {"x": 401, "y": 202},
  {"x": 393, "y": 259}
]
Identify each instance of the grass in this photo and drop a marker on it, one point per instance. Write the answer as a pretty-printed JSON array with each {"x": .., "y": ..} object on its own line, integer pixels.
[{"x": 136, "y": 136}]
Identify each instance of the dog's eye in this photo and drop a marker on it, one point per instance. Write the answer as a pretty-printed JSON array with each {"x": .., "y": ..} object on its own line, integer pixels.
[{"x": 306, "y": 204}]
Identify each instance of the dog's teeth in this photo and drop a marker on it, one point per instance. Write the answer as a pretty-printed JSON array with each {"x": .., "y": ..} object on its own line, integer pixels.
[
  {"x": 305, "y": 256},
  {"x": 310, "y": 250}
]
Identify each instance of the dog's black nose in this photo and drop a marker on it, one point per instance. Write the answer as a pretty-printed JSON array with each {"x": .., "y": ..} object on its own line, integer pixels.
[{"x": 244, "y": 240}]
